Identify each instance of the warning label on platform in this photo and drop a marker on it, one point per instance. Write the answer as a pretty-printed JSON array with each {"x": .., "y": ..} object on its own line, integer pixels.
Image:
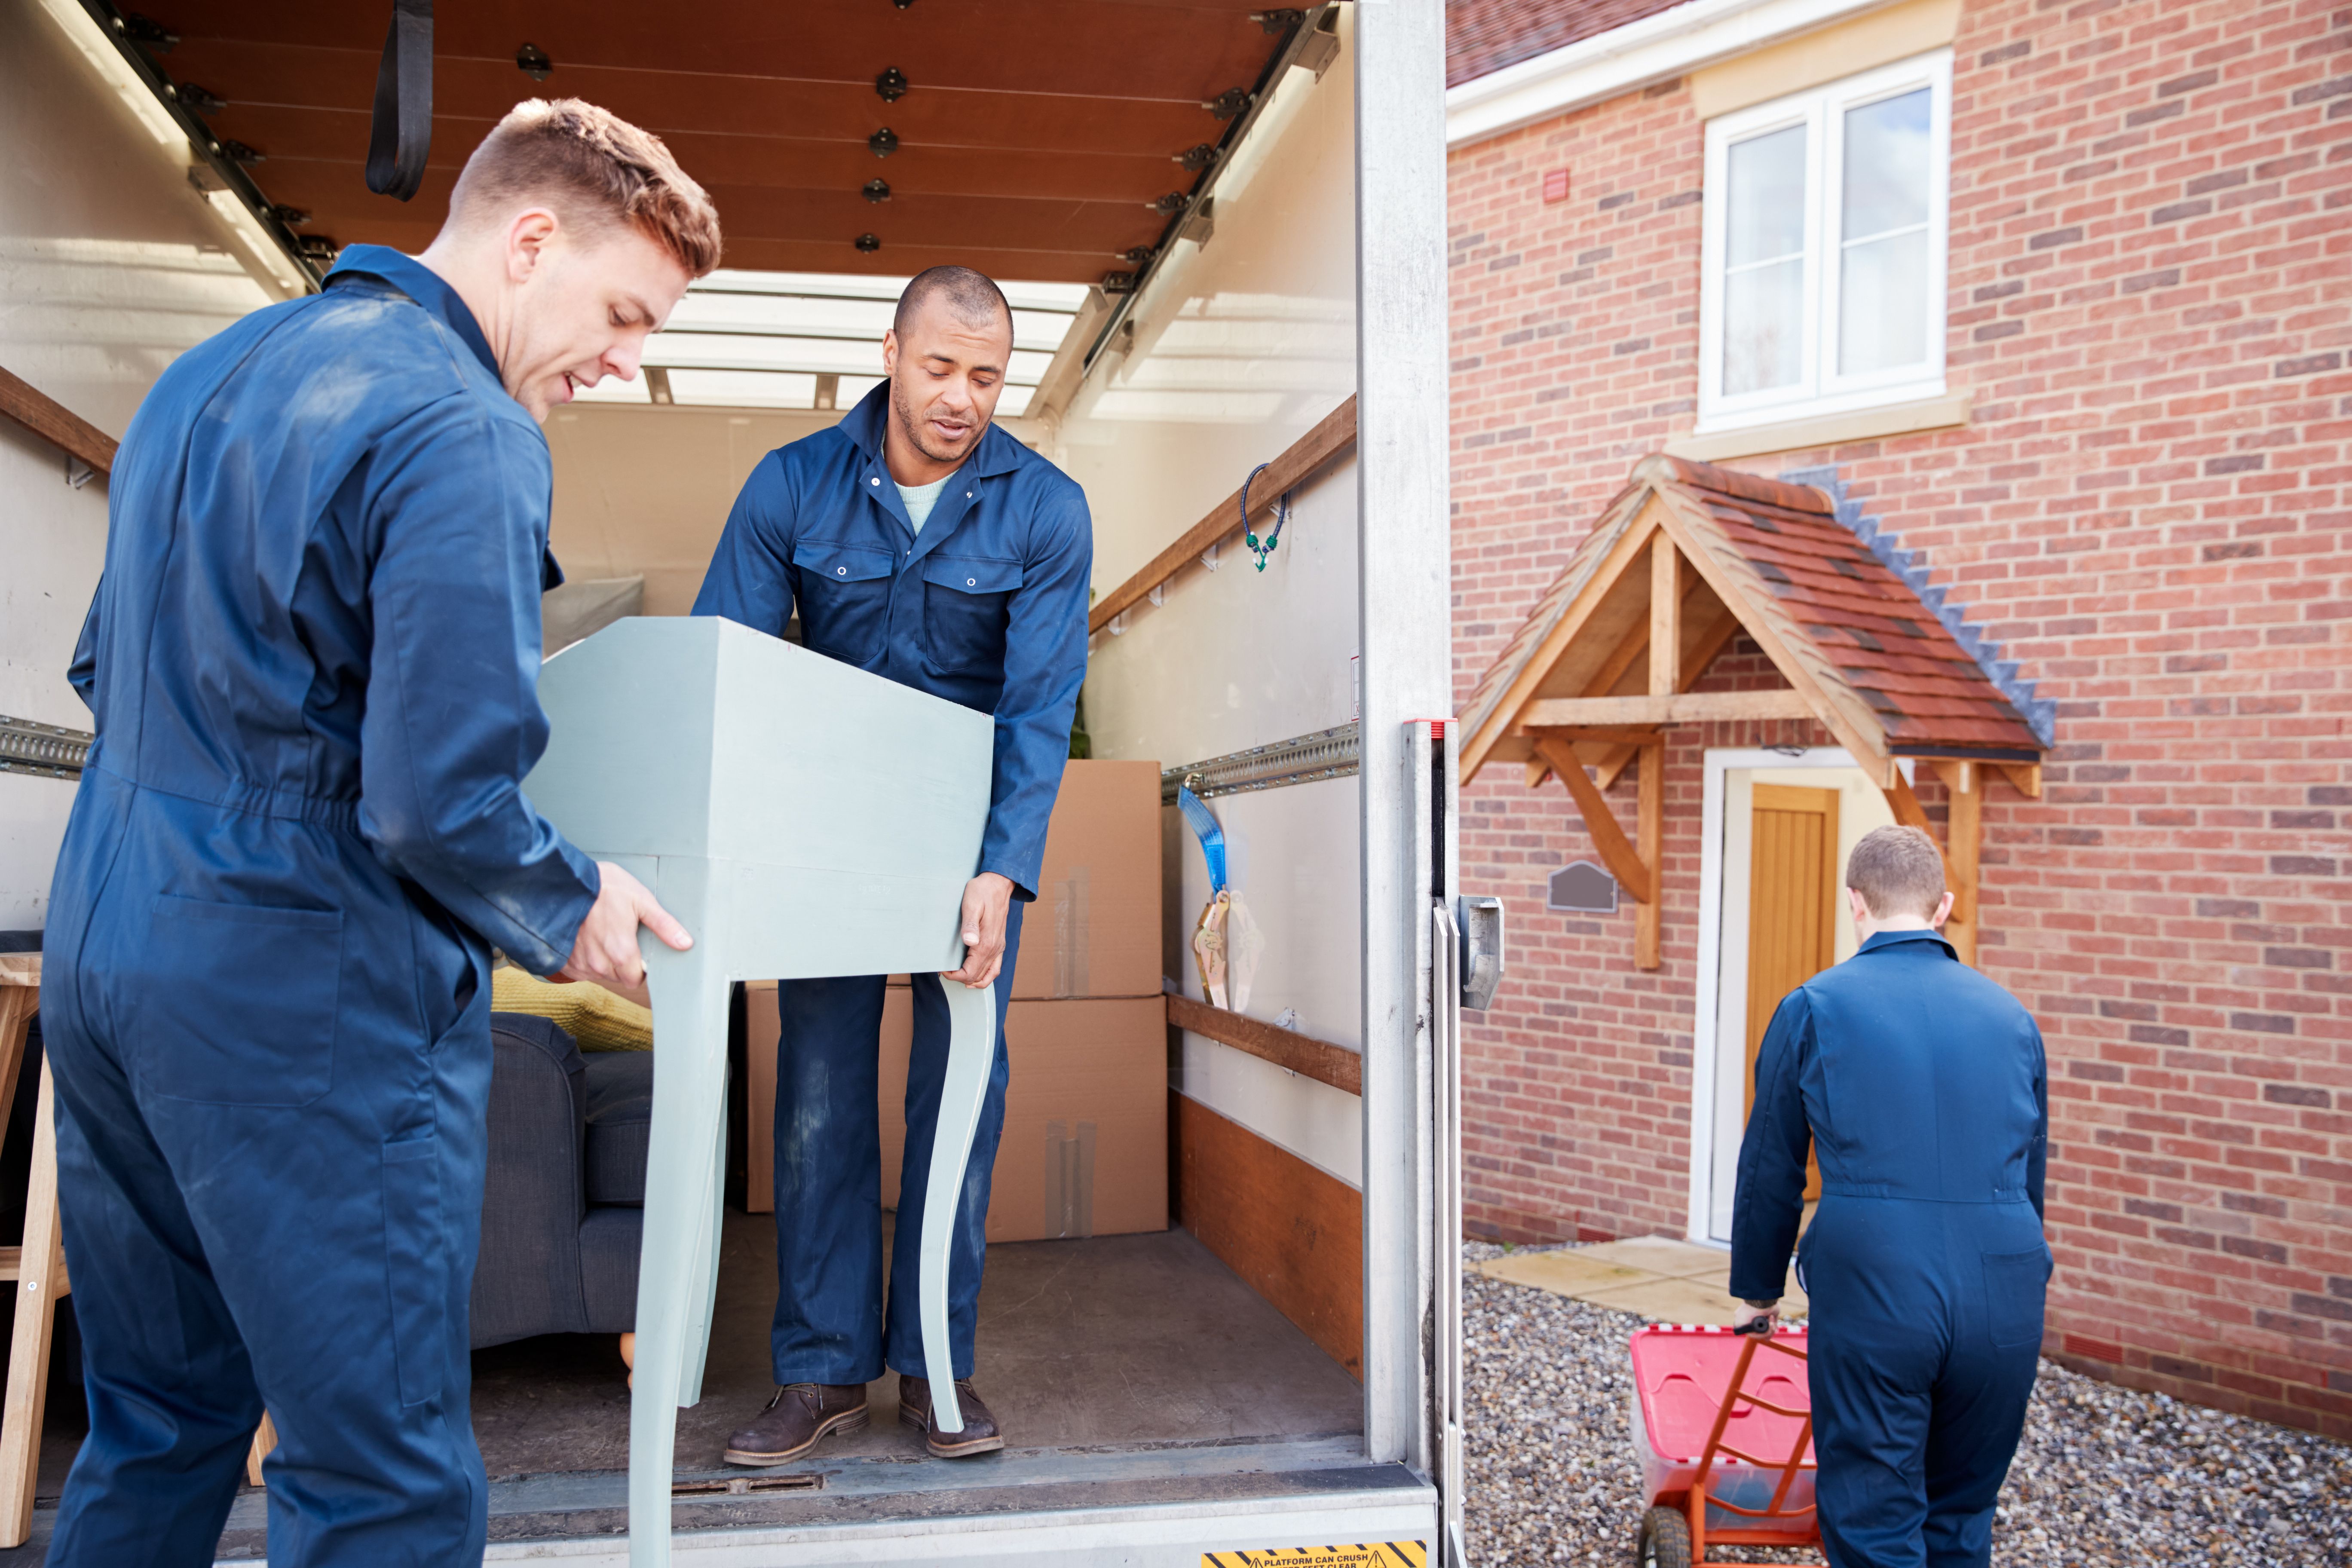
[{"x": 1381, "y": 1554}]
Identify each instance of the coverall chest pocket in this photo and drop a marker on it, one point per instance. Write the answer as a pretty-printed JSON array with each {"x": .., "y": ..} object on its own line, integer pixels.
[
  {"x": 967, "y": 604},
  {"x": 237, "y": 1003},
  {"x": 845, "y": 598}
]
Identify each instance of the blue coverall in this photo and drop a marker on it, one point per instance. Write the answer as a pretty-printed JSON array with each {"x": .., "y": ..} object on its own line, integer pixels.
[
  {"x": 313, "y": 661},
  {"x": 1921, "y": 1084},
  {"x": 986, "y": 606}
]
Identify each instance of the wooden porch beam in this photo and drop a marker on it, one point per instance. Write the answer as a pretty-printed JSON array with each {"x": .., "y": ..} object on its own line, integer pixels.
[
  {"x": 1683, "y": 708},
  {"x": 1715, "y": 636},
  {"x": 2025, "y": 778},
  {"x": 1637, "y": 643},
  {"x": 1868, "y": 751},
  {"x": 1905, "y": 805},
  {"x": 1623, "y": 554},
  {"x": 1614, "y": 739},
  {"x": 1964, "y": 781},
  {"x": 1608, "y": 838},
  {"x": 1959, "y": 857},
  {"x": 1612, "y": 734},
  {"x": 1650, "y": 842},
  {"x": 1665, "y": 617}
]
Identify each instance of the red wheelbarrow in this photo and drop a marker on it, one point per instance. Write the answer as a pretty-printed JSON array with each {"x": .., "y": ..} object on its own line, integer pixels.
[{"x": 1725, "y": 1438}]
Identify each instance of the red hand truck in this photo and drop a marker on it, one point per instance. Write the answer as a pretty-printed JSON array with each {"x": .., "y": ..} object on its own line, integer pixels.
[{"x": 1726, "y": 1439}]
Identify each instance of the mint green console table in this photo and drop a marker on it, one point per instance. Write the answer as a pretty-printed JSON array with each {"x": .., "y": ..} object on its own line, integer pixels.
[{"x": 801, "y": 818}]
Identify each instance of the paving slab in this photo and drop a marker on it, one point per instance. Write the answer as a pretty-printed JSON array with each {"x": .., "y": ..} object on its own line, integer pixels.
[
  {"x": 1660, "y": 1255},
  {"x": 1570, "y": 1271},
  {"x": 1668, "y": 1301}
]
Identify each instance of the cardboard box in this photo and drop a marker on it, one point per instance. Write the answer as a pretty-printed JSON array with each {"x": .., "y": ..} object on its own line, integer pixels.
[
  {"x": 1085, "y": 1150},
  {"x": 1094, "y": 929},
  {"x": 1092, "y": 935}
]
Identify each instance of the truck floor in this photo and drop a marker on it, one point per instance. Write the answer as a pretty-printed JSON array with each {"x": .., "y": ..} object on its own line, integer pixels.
[{"x": 1134, "y": 1362}]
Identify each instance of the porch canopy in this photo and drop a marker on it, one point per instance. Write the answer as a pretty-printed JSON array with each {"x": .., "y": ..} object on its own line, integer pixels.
[{"x": 1686, "y": 556}]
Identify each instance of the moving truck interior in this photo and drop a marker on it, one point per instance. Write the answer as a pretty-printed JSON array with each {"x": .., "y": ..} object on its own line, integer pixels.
[{"x": 1227, "y": 1321}]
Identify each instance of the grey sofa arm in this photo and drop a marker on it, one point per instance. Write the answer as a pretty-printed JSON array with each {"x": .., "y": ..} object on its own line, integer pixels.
[{"x": 528, "y": 1280}]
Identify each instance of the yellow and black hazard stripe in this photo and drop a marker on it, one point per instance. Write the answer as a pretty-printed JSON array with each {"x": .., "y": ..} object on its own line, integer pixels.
[{"x": 1380, "y": 1554}]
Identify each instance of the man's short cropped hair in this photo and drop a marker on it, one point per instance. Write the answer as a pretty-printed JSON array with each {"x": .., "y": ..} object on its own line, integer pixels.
[
  {"x": 594, "y": 170},
  {"x": 973, "y": 296},
  {"x": 1897, "y": 871}
]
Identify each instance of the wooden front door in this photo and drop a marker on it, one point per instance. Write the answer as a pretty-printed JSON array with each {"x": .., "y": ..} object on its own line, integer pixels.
[{"x": 1792, "y": 890}]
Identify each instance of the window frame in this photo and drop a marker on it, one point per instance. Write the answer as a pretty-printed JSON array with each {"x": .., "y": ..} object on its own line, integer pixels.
[{"x": 1820, "y": 389}]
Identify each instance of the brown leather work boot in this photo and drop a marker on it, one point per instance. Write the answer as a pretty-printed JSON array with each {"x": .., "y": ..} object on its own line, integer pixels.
[
  {"x": 979, "y": 1433},
  {"x": 794, "y": 1419}
]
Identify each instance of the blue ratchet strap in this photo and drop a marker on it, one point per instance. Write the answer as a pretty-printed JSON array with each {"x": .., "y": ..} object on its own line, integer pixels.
[{"x": 1212, "y": 836}]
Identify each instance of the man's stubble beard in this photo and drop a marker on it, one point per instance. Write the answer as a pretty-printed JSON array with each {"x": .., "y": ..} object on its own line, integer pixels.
[{"x": 903, "y": 409}]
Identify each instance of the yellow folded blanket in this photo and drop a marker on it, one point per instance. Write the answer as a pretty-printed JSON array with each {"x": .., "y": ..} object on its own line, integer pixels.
[{"x": 595, "y": 1018}]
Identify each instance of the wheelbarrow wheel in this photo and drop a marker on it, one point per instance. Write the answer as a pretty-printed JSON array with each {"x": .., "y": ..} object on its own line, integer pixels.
[{"x": 1664, "y": 1540}]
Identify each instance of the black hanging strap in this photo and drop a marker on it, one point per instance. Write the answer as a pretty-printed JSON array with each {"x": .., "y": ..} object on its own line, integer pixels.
[{"x": 403, "y": 132}]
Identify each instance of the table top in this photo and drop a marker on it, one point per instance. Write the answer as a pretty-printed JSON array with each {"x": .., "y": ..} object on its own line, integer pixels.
[{"x": 20, "y": 968}]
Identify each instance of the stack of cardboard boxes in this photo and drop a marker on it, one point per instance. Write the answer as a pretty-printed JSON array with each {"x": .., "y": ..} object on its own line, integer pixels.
[{"x": 1085, "y": 1149}]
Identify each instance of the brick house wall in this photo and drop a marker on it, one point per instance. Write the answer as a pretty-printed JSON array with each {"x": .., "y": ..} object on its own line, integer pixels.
[{"x": 2151, "y": 304}]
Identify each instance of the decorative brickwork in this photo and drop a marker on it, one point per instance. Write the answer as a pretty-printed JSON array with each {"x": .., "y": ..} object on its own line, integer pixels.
[{"x": 2151, "y": 306}]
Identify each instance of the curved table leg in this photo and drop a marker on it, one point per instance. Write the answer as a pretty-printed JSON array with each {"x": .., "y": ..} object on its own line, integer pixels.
[
  {"x": 677, "y": 1261},
  {"x": 972, "y": 1052}
]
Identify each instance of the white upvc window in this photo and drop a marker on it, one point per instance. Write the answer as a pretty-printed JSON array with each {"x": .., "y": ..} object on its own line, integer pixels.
[{"x": 1826, "y": 216}]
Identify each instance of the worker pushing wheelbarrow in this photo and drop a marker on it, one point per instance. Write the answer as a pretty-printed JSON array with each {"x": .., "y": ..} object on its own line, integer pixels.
[{"x": 1726, "y": 1439}]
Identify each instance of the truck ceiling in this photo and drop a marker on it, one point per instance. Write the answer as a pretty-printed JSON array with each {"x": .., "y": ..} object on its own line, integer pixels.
[{"x": 1046, "y": 140}]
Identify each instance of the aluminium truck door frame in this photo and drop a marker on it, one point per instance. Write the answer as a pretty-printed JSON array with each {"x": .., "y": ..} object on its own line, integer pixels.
[{"x": 1411, "y": 1213}]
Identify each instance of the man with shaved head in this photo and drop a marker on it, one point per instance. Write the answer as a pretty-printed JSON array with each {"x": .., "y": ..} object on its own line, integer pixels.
[{"x": 918, "y": 542}]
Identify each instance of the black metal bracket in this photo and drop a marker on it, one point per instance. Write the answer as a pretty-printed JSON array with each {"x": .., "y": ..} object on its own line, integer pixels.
[
  {"x": 1302, "y": 46},
  {"x": 137, "y": 39}
]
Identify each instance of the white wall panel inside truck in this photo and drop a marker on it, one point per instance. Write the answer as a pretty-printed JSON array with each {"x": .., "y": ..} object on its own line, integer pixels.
[
  {"x": 1237, "y": 349},
  {"x": 110, "y": 265}
]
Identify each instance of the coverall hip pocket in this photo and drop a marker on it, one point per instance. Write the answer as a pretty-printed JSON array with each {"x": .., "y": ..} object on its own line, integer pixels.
[
  {"x": 2015, "y": 1284},
  {"x": 966, "y": 606},
  {"x": 237, "y": 1004},
  {"x": 843, "y": 591},
  {"x": 416, "y": 1263}
]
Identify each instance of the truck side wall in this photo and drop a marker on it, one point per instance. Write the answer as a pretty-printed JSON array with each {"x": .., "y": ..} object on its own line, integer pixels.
[
  {"x": 1238, "y": 348},
  {"x": 110, "y": 266}
]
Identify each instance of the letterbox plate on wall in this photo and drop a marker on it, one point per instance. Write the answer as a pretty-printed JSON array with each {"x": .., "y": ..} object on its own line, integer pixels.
[{"x": 1582, "y": 887}]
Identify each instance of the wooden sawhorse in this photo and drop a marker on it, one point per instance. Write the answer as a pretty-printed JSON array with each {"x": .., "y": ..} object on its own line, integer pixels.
[
  {"x": 38, "y": 1266},
  {"x": 42, "y": 1280}
]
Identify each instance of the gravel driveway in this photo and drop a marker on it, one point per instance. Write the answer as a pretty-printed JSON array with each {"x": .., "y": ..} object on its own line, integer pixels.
[{"x": 2106, "y": 1477}]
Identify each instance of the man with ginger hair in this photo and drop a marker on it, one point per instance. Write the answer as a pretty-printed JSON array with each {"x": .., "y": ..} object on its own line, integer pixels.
[
  {"x": 1922, "y": 1086},
  {"x": 313, "y": 661}
]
